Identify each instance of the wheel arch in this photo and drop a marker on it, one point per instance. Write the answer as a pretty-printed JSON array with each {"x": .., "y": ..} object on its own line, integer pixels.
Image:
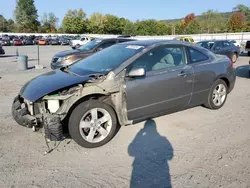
[
  {"x": 224, "y": 78},
  {"x": 96, "y": 96}
]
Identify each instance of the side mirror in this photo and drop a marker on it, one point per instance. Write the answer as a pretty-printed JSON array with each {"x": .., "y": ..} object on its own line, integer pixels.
[{"x": 137, "y": 72}]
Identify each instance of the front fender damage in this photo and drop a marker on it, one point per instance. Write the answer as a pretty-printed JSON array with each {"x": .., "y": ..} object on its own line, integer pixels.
[{"x": 110, "y": 90}]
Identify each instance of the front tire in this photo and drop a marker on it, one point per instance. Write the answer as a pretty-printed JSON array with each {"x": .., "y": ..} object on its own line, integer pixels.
[
  {"x": 217, "y": 95},
  {"x": 92, "y": 124}
]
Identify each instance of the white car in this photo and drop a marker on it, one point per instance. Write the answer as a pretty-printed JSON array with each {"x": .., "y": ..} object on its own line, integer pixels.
[{"x": 77, "y": 43}]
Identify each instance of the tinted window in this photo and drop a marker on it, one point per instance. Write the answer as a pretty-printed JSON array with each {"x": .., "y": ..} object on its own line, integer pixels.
[
  {"x": 107, "y": 44},
  {"x": 219, "y": 44},
  {"x": 90, "y": 45},
  {"x": 186, "y": 39},
  {"x": 106, "y": 60},
  {"x": 161, "y": 58},
  {"x": 196, "y": 56},
  {"x": 226, "y": 44}
]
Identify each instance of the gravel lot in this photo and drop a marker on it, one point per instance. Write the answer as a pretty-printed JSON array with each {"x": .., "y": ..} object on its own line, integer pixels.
[{"x": 196, "y": 147}]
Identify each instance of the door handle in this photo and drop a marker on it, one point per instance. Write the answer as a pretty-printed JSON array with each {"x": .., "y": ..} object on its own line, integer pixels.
[{"x": 182, "y": 73}]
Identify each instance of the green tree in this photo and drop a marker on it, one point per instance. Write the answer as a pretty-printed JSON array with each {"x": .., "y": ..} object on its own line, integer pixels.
[
  {"x": 3, "y": 24},
  {"x": 26, "y": 16},
  {"x": 127, "y": 27},
  {"x": 193, "y": 27},
  {"x": 112, "y": 24},
  {"x": 146, "y": 27},
  {"x": 96, "y": 23},
  {"x": 178, "y": 30},
  {"x": 75, "y": 22},
  {"x": 48, "y": 23},
  {"x": 11, "y": 25},
  {"x": 162, "y": 28},
  {"x": 211, "y": 22}
]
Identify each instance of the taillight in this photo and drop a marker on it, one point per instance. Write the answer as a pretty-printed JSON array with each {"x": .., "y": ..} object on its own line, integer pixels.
[{"x": 231, "y": 63}]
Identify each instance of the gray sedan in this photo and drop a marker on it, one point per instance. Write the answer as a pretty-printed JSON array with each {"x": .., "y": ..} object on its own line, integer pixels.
[{"x": 123, "y": 84}]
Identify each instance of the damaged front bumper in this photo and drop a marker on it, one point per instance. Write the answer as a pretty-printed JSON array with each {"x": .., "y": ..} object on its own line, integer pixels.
[
  {"x": 22, "y": 115},
  {"x": 51, "y": 123}
]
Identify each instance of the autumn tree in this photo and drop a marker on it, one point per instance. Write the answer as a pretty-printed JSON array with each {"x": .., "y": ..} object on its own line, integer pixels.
[
  {"x": 189, "y": 18},
  {"x": 237, "y": 21},
  {"x": 75, "y": 22},
  {"x": 26, "y": 16}
]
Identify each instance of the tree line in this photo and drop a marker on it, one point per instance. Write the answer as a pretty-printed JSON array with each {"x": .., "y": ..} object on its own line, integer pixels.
[{"x": 76, "y": 22}]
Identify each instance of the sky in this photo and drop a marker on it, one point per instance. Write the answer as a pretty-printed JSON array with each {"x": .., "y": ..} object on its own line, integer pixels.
[{"x": 130, "y": 9}]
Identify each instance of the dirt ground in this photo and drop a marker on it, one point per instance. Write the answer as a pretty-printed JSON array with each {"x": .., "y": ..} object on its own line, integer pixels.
[{"x": 192, "y": 149}]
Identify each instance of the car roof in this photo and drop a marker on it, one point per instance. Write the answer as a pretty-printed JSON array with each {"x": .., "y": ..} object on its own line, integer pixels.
[
  {"x": 155, "y": 42},
  {"x": 215, "y": 40}
]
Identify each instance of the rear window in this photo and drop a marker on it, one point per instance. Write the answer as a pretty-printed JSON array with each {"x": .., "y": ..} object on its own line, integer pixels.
[{"x": 196, "y": 56}]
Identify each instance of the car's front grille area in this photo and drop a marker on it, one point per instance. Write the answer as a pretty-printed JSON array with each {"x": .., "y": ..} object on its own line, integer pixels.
[{"x": 55, "y": 59}]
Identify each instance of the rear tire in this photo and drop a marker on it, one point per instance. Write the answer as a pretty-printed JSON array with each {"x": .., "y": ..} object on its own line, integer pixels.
[
  {"x": 86, "y": 127},
  {"x": 217, "y": 95},
  {"x": 248, "y": 53}
]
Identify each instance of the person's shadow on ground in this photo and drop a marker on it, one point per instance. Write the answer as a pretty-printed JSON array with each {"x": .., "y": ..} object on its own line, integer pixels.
[{"x": 151, "y": 153}]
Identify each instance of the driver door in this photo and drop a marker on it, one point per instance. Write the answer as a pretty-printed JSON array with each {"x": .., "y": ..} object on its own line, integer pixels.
[{"x": 167, "y": 84}]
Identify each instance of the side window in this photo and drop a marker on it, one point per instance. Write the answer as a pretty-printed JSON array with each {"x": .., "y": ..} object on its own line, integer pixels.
[
  {"x": 226, "y": 44},
  {"x": 161, "y": 58},
  {"x": 186, "y": 39},
  {"x": 196, "y": 56},
  {"x": 107, "y": 44},
  {"x": 219, "y": 45},
  {"x": 82, "y": 39}
]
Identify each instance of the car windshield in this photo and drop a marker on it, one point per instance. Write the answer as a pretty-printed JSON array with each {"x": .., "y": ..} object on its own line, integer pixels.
[
  {"x": 207, "y": 44},
  {"x": 105, "y": 60},
  {"x": 90, "y": 45}
]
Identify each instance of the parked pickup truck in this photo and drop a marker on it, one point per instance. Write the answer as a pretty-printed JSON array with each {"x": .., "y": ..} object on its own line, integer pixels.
[
  {"x": 247, "y": 48},
  {"x": 77, "y": 43}
]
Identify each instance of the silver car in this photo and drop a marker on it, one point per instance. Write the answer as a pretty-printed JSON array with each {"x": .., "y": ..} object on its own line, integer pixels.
[{"x": 123, "y": 84}]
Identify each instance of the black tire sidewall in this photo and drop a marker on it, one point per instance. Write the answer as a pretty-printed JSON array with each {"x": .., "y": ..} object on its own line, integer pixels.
[
  {"x": 210, "y": 97},
  {"x": 77, "y": 115}
]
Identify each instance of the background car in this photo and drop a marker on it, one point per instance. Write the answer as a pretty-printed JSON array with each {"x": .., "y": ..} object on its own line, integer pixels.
[
  {"x": 65, "y": 58},
  {"x": 17, "y": 42},
  {"x": 42, "y": 42},
  {"x": 222, "y": 47},
  {"x": 79, "y": 42},
  {"x": 124, "y": 84},
  {"x": 54, "y": 41},
  {"x": 64, "y": 41},
  {"x": 247, "y": 48},
  {"x": 5, "y": 42},
  {"x": 28, "y": 41},
  {"x": 187, "y": 39}
]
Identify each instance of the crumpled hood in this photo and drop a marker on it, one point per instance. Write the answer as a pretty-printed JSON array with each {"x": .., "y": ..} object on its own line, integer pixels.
[{"x": 48, "y": 83}]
